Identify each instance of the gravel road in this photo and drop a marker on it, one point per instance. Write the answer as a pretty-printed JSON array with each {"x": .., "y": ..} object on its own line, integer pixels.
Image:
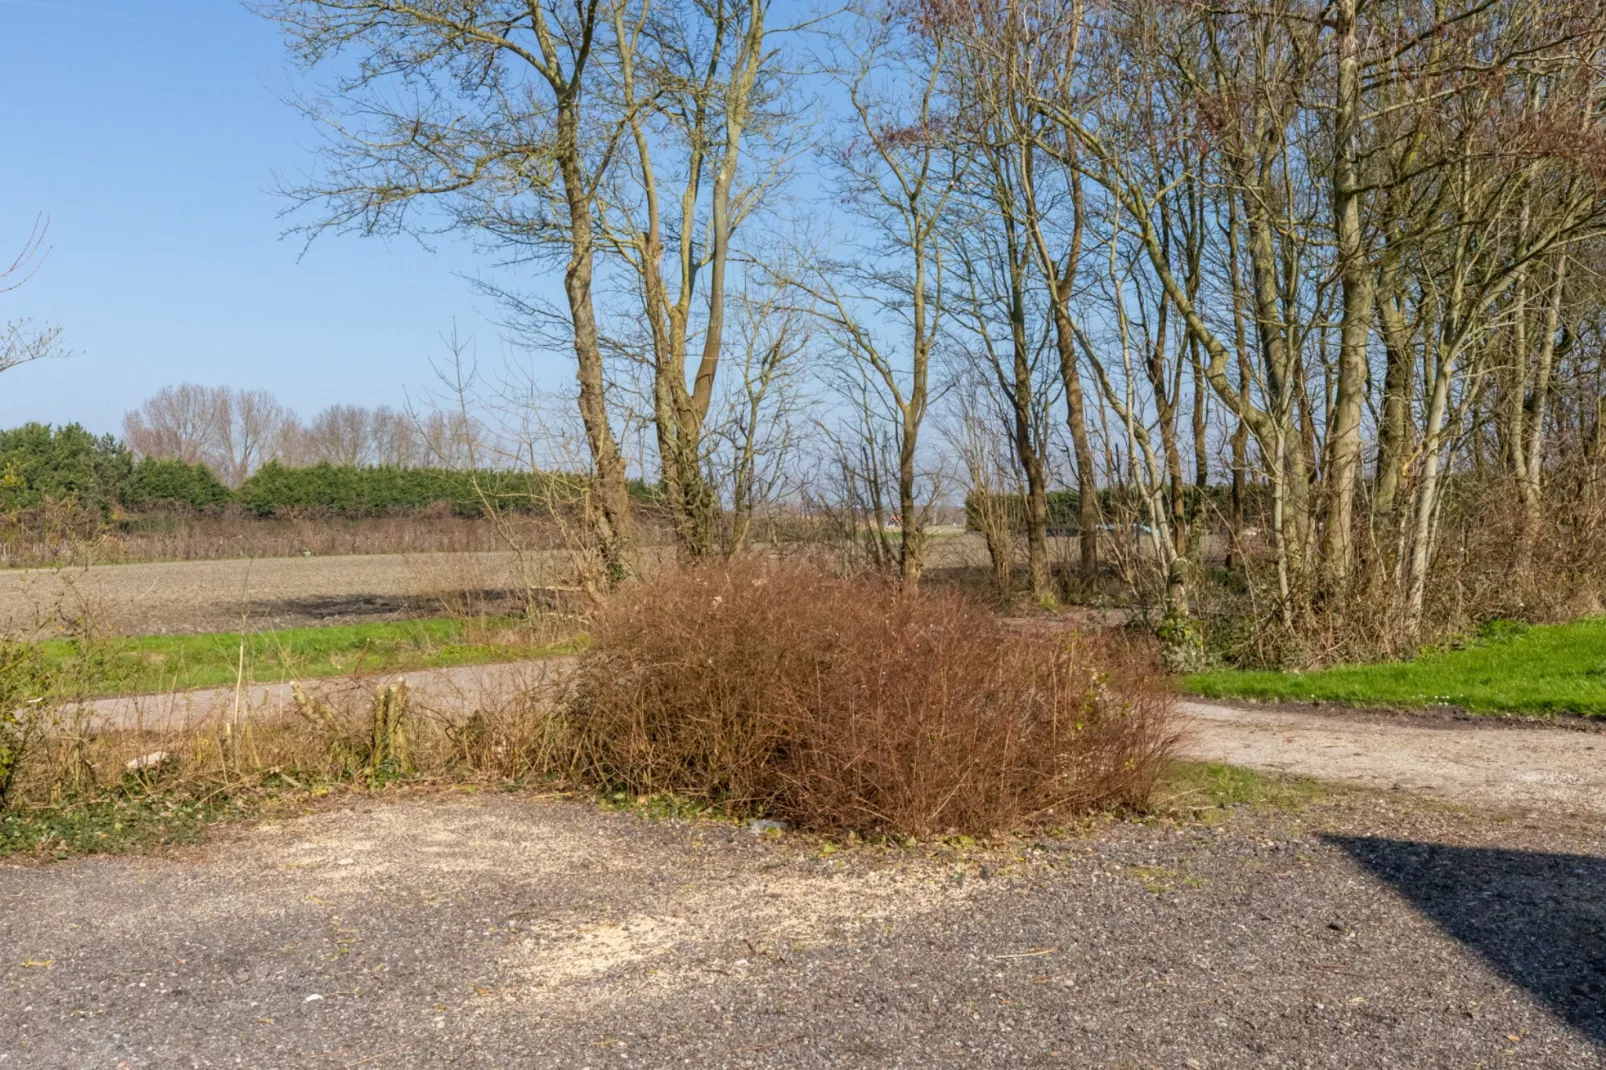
[{"x": 494, "y": 931}]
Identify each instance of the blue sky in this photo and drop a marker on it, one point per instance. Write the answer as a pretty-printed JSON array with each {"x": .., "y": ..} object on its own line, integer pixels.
[{"x": 151, "y": 133}]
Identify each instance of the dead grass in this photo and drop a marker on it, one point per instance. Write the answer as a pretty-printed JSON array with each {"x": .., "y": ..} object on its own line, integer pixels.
[{"x": 841, "y": 703}]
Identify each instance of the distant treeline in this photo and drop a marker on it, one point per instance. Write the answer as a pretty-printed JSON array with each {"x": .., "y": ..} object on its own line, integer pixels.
[{"x": 42, "y": 466}]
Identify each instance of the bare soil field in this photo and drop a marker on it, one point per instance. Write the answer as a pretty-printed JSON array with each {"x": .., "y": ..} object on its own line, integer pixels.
[
  {"x": 272, "y": 592},
  {"x": 232, "y": 594},
  {"x": 493, "y": 931}
]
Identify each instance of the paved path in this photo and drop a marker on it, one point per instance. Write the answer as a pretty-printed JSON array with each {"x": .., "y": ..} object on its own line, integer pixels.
[{"x": 1491, "y": 765}]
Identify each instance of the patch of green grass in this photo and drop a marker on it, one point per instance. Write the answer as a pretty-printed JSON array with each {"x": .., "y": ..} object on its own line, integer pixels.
[
  {"x": 1200, "y": 787},
  {"x": 1559, "y": 669},
  {"x": 1159, "y": 879},
  {"x": 109, "y": 824},
  {"x": 158, "y": 663}
]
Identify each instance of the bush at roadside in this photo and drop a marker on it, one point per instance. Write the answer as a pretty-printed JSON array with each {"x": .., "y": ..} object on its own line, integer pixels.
[{"x": 845, "y": 704}]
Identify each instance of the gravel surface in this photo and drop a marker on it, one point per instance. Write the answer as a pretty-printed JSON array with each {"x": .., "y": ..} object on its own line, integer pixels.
[{"x": 499, "y": 931}]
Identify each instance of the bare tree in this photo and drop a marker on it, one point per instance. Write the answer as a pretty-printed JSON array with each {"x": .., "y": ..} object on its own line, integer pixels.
[
  {"x": 341, "y": 434},
  {"x": 898, "y": 178},
  {"x": 232, "y": 431},
  {"x": 176, "y": 422},
  {"x": 395, "y": 438},
  {"x": 483, "y": 108},
  {"x": 979, "y": 434},
  {"x": 23, "y": 340},
  {"x": 760, "y": 427},
  {"x": 248, "y": 426},
  {"x": 697, "y": 82}
]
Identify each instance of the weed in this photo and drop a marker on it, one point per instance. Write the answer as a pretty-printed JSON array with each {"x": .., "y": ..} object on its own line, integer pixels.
[
  {"x": 110, "y": 824},
  {"x": 1196, "y": 788}
]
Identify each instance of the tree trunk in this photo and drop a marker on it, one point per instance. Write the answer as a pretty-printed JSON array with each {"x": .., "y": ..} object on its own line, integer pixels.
[
  {"x": 1530, "y": 473},
  {"x": 1341, "y": 469},
  {"x": 610, "y": 513}
]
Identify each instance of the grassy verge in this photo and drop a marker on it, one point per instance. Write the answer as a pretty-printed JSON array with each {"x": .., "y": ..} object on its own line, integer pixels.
[
  {"x": 1549, "y": 670},
  {"x": 109, "y": 825},
  {"x": 1198, "y": 788},
  {"x": 158, "y": 663}
]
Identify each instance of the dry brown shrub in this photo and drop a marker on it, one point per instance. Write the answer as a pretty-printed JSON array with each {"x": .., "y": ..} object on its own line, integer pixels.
[{"x": 843, "y": 703}]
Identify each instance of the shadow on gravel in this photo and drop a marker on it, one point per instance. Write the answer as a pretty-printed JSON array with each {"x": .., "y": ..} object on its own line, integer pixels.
[{"x": 1539, "y": 919}]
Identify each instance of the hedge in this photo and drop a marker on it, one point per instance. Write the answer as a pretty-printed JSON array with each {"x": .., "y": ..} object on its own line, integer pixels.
[
  {"x": 381, "y": 491},
  {"x": 40, "y": 464},
  {"x": 163, "y": 483}
]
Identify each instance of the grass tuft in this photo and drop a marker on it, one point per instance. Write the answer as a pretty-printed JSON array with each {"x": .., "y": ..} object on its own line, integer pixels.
[{"x": 1198, "y": 788}]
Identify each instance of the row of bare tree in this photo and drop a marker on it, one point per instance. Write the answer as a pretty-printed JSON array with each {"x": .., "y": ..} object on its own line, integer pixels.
[
  {"x": 234, "y": 431},
  {"x": 1337, "y": 255}
]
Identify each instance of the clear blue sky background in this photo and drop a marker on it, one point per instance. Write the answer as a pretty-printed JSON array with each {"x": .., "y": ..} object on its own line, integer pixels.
[{"x": 151, "y": 132}]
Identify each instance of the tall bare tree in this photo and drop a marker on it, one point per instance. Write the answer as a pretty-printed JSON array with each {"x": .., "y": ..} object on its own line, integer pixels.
[
  {"x": 484, "y": 109},
  {"x": 885, "y": 310},
  {"x": 177, "y": 422},
  {"x": 696, "y": 82}
]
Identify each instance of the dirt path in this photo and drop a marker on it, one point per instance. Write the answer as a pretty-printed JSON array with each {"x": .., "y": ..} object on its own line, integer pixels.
[
  {"x": 1493, "y": 765},
  {"x": 460, "y": 688}
]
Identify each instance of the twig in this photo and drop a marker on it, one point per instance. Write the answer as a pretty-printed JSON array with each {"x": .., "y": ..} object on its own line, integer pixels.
[
  {"x": 1030, "y": 954},
  {"x": 380, "y": 1055}
]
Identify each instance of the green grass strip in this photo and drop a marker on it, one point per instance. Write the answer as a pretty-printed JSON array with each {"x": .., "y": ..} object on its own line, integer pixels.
[
  {"x": 1544, "y": 670},
  {"x": 160, "y": 663}
]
